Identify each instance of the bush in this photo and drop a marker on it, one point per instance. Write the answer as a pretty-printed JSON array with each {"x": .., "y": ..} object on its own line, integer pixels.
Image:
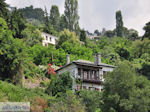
[{"x": 60, "y": 83}]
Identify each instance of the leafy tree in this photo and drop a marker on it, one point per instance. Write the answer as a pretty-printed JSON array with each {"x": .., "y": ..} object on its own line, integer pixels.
[
  {"x": 48, "y": 28},
  {"x": 34, "y": 13},
  {"x": 147, "y": 30},
  {"x": 82, "y": 36},
  {"x": 145, "y": 70},
  {"x": 140, "y": 47},
  {"x": 40, "y": 55},
  {"x": 66, "y": 35},
  {"x": 12, "y": 54},
  {"x": 119, "y": 24},
  {"x": 60, "y": 83},
  {"x": 71, "y": 15},
  {"x": 124, "y": 91},
  {"x": 62, "y": 22},
  {"x": 17, "y": 23},
  {"x": 109, "y": 33},
  {"x": 68, "y": 102},
  {"x": 32, "y": 36},
  {"x": 97, "y": 33},
  {"x": 91, "y": 99},
  {"x": 55, "y": 17},
  {"x": 3, "y": 10}
]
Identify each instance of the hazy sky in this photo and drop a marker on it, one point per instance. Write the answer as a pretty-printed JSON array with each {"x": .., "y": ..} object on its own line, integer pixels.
[{"x": 97, "y": 14}]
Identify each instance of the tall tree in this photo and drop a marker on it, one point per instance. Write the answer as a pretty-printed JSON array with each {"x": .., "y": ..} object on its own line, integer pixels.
[
  {"x": 62, "y": 22},
  {"x": 147, "y": 30},
  {"x": 55, "y": 17},
  {"x": 124, "y": 91},
  {"x": 83, "y": 35},
  {"x": 71, "y": 15},
  {"x": 12, "y": 54},
  {"x": 3, "y": 10},
  {"x": 48, "y": 28},
  {"x": 119, "y": 24},
  {"x": 17, "y": 23}
]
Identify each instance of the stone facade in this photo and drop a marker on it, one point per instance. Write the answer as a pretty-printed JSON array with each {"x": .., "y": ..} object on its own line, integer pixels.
[{"x": 89, "y": 74}]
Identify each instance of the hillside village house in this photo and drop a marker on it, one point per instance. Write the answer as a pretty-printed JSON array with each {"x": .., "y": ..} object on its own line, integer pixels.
[
  {"x": 48, "y": 39},
  {"x": 90, "y": 74}
]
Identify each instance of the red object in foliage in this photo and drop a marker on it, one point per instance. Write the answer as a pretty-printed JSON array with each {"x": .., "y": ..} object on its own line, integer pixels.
[
  {"x": 51, "y": 70},
  {"x": 60, "y": 65}
]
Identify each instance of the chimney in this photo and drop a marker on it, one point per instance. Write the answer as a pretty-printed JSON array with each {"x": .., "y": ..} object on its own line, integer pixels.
[
  {"x": 97, "y": 59},
  {"x": 68, "y": 59}
]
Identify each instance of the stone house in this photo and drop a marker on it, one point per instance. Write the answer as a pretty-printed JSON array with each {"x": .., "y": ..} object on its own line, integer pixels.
[{"x": 89, "y": 74}]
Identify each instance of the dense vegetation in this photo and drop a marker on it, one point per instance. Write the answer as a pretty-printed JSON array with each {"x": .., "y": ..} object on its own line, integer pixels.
[{"x": 22, "y": 55}]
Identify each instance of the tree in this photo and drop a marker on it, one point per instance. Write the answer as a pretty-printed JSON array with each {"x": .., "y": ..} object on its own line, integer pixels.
[
  {"x": 66, "y": 35},
  {"x": 33, "y": 13},
  {"x": 97, "y": 33},
  {"x": 124, "y": 91},
  {"x": 12, "y": 55},
  {"x": 48, "y": 28},
  {"x": 71, "y": 15},
  {"x": 62, "y": 22},
  {"x": 60, "y": 83},
  {"x": 55, "y": 17},
  {"x": 145, "y": 70},
  {"x": 82, "y": 36},
  {"x": 119, "y": 24},
  {"x": 32, "y": 36},
  {"x": 3, "y": 10},
  {"x": 147, "y": 30},
  {"x": 17, "y": 23},
  {"x": 91, "y": 99}
]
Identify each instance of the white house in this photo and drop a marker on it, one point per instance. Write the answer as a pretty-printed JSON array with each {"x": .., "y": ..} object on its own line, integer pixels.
[
  {"x": 88, "y": 73},
  {"x": 48, "y": 39}
]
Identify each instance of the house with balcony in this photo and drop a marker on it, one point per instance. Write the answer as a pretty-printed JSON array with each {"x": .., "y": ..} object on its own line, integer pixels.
[
  {"x": 48, "y": 39},
  {"x": 89, "y": 74}
]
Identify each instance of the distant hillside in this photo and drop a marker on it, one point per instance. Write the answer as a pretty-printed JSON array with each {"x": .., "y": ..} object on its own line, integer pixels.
[{"x": 34, "y": 13}]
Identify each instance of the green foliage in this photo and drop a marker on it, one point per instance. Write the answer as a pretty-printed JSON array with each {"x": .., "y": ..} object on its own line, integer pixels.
[
  {"x": 91, "y": 99},
  {"x": 71, "y": 15},
  {"x": 68, "y": 102},
  {"x": 34, "y": 13},
  {"x": 123, "y": 88},
  {"x": 66, "y": 35},
  {"x": 55, "y": 17},
  {"x": 4, "y": 13},
  {"x": 13, "y": 93},
  {"x": 17, "y": 23},
  {"x": 147, "y": 31},
  {"x": 40, "y": 54},
  {"x": 82, "y": 36},
  {"x": 145, "y": 70},
  {"x": 32, "y": 36},
  {"x": 119, "y": 24},
  {"x": 60, "y": 83},
  {"x": 12, "y": 52},
  {"x": 48, "y": 28}
]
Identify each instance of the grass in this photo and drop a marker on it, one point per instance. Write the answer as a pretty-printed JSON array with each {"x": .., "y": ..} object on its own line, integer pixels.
[{"x": 10, "y": 92}]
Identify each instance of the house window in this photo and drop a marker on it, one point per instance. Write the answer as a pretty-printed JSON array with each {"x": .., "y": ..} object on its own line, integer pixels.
[
  {"x": 46, "y": 38},
  {"x": 79, "y": 72},
  {"x": 92, "y": 75},
  {"x": 85, "y": 74},
  {"x": 97, "y": 75},
  {"x": 50, "y": 39},
  {"x": 78, "y": 87},
  {"x": 84, "y": 87}
]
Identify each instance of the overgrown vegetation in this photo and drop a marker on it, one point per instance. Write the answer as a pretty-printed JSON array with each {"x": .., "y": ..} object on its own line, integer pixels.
[{"x": 22, "y": 55}]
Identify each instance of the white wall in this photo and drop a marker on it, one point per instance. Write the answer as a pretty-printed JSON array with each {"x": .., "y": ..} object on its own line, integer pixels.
[{"x": 47, "y": 41}]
